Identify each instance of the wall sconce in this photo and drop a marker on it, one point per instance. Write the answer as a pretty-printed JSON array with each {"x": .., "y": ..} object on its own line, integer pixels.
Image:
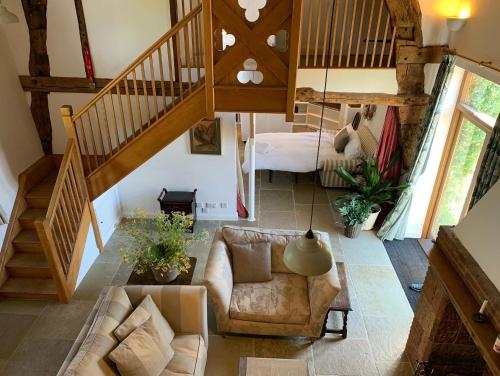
[{"x": 455, "y": 23}]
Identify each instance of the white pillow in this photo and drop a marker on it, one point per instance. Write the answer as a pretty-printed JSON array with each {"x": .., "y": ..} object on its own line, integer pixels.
[{"x": 353, "y": 149}]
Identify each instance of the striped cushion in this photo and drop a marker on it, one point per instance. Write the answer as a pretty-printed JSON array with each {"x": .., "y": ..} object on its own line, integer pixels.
[
  {"x": 91, "y": 359},
  {"x": 190, "y": 354},
  {"x": 368, "y": 141}
]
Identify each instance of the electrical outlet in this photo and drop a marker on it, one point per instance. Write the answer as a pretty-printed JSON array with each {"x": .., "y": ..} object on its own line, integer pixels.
[
  {"x": 204, "y": 210},
  {"x": 223, "y": 205},
  {"x": 199, "y": 205},
  {"x": 211, "y": 205}
]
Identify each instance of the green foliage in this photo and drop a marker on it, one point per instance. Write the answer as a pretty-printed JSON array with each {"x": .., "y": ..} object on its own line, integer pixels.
[
  {"x": 353, "y": 209},
  {"x": 371, "y": 185},
  {"x": 484, "y": 96},
  {"x": 461, "y": 171},
  {"x": 159, "y": 243}
]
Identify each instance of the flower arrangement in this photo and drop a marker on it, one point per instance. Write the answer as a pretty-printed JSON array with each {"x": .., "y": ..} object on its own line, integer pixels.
[
  {"x": 159, "y": 244},
  {"x": 354, "y": 211}
]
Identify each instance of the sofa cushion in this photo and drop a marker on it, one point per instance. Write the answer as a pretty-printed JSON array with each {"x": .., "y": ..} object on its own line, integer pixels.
[
  {"x": 190, "y": 355},
  {"x": 341, "y": 139},
  {"x": 283, "y": 300},
  {"x": 142, "y": 353},
  {"x": 278, "y": 238},
  {"x": 143, "y": 312},
  {"x": 251, "y": 262},
  {"x": 91, "y": 358}
]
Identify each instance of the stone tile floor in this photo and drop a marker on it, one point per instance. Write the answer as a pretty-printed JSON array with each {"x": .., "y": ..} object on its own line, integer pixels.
[{"x": 36, "y": 336}]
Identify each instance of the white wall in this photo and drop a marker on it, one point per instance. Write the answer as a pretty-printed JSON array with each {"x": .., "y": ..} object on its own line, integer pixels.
[
  {"x": 350, "y": 80},
  {"x": 176, "y": 169},
  {"x": 264, "y": 123},
  {"x": 19, "y": 143},
  {"x": 478, "y": 232}
]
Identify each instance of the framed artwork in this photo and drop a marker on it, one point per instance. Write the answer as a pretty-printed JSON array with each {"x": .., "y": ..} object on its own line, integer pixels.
[{"x": 205, "y": 137}]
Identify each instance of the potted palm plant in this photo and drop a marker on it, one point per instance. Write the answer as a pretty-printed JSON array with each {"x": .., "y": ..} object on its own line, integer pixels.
[
  {"x": 354, "y": 211},
  {"x": 372, "y": 186},
  {"x": 160, "y": 244}
]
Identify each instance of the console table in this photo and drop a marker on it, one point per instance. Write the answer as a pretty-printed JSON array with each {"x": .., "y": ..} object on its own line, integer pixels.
[{"x": 177, "y": 201}]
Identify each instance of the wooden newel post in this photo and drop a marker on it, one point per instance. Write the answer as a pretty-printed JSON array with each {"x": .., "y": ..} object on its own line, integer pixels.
[{"x": 67, "y": 113}]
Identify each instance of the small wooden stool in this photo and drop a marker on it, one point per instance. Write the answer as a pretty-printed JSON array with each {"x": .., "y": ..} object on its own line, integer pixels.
[{"x": 341, "y": 303}]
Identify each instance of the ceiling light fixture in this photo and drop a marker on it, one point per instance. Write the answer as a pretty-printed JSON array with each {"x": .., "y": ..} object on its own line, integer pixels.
[
  {"x": 6, "y": 16},
  {"x": 308, "y": 255}
]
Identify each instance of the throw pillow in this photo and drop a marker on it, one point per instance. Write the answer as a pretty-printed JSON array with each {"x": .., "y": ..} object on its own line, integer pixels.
[
  {"x": 142, "y": 352},
  {"x": 147, "y": 309},
  {"x": 353, "y": 149},
  {"x": 251, "y": 262},
  {"x": 341, "y": 140}
]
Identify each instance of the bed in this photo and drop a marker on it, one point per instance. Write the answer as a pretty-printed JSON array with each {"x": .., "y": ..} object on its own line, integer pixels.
[
  {"x": 296, "y": 152},
  {"x": 292, "y": 152}
]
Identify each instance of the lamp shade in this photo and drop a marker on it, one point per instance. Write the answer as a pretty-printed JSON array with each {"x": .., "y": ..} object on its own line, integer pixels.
[
  {"x": 7, "y": 17},
  {"x": 308, "y": 255}
]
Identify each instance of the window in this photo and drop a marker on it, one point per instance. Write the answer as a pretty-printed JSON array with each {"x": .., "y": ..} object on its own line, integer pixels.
[{"x": 475, "y": 114}]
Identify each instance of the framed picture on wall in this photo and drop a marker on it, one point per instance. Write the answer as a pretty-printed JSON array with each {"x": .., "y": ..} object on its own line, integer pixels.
[{"x": 205, "y": 137}]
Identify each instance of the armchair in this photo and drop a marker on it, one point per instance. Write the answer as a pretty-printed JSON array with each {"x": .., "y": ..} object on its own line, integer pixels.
[{"x": 288, "y": 305}]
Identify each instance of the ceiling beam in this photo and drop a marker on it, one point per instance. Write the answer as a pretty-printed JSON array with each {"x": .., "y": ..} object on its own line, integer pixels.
[
  {"x": 398, "y": 100},
  {"x": 83, "y": 85}
]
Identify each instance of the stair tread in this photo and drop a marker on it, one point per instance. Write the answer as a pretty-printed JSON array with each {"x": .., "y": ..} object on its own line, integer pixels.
[
  {"x": 32, "y": 214},
  {"x": 43, "y": 286},
  {"x": 28, "y": 260},
  {"x": 27, "y": 236},
  {"x": 44, "y": 188}
]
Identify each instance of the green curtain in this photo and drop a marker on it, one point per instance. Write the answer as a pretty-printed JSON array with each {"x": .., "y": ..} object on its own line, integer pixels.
[
  {"x": 394, "y": 226},
  {"x": 490, "y": 166}
]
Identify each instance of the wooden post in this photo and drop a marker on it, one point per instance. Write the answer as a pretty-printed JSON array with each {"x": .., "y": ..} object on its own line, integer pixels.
[
  {"x": 293, "y": 65},
  {"x": 67, "y": 113},
  {"x": 251, "y": 172},
  {"x": 209, "y": 58},
  {"x": 95, "y": 226},
  {"x": 35, "y": 12},
  {"x": 174, "y": 19}
]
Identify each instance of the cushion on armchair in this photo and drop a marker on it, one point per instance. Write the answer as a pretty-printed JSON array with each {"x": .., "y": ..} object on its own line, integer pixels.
[
  {"x": 283, "y": 300},
  {"x": 251, "y": 262}
]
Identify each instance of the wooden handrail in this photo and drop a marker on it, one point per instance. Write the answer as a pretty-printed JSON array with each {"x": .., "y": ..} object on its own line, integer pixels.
[
  {"x": 119, "y": 113},
  {"x": 168, "y": 35}
]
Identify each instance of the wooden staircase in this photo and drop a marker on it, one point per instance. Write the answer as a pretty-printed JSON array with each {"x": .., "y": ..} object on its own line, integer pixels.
[
  {"x": 180, "y": 80},
  {"x": 28, "y": 271}
]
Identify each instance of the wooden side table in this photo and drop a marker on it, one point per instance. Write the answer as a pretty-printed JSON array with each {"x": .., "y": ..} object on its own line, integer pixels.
[
  {"x": 149, "y": 279},
  {"x": 173, "y": 201},
  {"x": 341, "y": 303}
]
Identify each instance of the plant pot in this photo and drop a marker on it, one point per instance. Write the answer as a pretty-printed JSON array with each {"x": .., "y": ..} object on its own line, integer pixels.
[
  {"x": 164, "y": 277},
  {"x": 372, "y": 218},
  {"x": 352, "y": 231}
]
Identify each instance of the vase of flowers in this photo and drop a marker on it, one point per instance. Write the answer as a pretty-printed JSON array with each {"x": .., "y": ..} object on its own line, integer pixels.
[
  {"x": 354, "y": 211},
  {"x": 160, "y": 244}
]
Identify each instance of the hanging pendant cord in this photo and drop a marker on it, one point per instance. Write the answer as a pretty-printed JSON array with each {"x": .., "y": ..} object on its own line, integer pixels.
[{"x": 310, "y": 234}]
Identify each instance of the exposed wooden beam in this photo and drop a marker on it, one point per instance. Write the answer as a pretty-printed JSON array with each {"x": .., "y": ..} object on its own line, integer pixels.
[
  {"x": 82, "y": 85},
  {"x": 35, "y": 12},
  {"x": 424, "y": 55},
  {"x": 84, "y": 40},
  {"x": 311, "y": 95}
]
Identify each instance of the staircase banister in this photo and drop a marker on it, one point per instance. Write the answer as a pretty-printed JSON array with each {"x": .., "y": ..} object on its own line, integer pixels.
[
  {"x": 169, "y": 34},
  {"x": 54, "y": 200}
]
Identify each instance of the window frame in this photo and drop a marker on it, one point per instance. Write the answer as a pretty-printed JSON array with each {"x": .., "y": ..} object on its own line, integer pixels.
[{"x": 461, "y": 112}]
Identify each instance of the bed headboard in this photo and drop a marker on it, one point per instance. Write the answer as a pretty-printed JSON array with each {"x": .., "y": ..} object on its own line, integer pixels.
[{"x": 368, "y": 141}]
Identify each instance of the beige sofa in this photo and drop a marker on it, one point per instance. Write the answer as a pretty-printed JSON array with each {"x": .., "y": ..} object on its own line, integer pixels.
[
  {"x": 184, "y": 307},
  {"x": 328, "y": 176},
  {"x": 288, "y": 305}
]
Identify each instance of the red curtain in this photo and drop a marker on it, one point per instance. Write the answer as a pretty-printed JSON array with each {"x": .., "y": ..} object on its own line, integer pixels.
[{"x": 388, "y": 145}]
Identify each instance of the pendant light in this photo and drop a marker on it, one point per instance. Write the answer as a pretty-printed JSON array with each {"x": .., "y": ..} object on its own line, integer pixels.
[
  {"x": 6, "y": 16},
  {"x": 308, "y": 255}
]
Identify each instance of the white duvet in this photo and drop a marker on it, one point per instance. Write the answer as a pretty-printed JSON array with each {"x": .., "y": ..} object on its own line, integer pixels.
[{"x": 294, "y": 152}]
